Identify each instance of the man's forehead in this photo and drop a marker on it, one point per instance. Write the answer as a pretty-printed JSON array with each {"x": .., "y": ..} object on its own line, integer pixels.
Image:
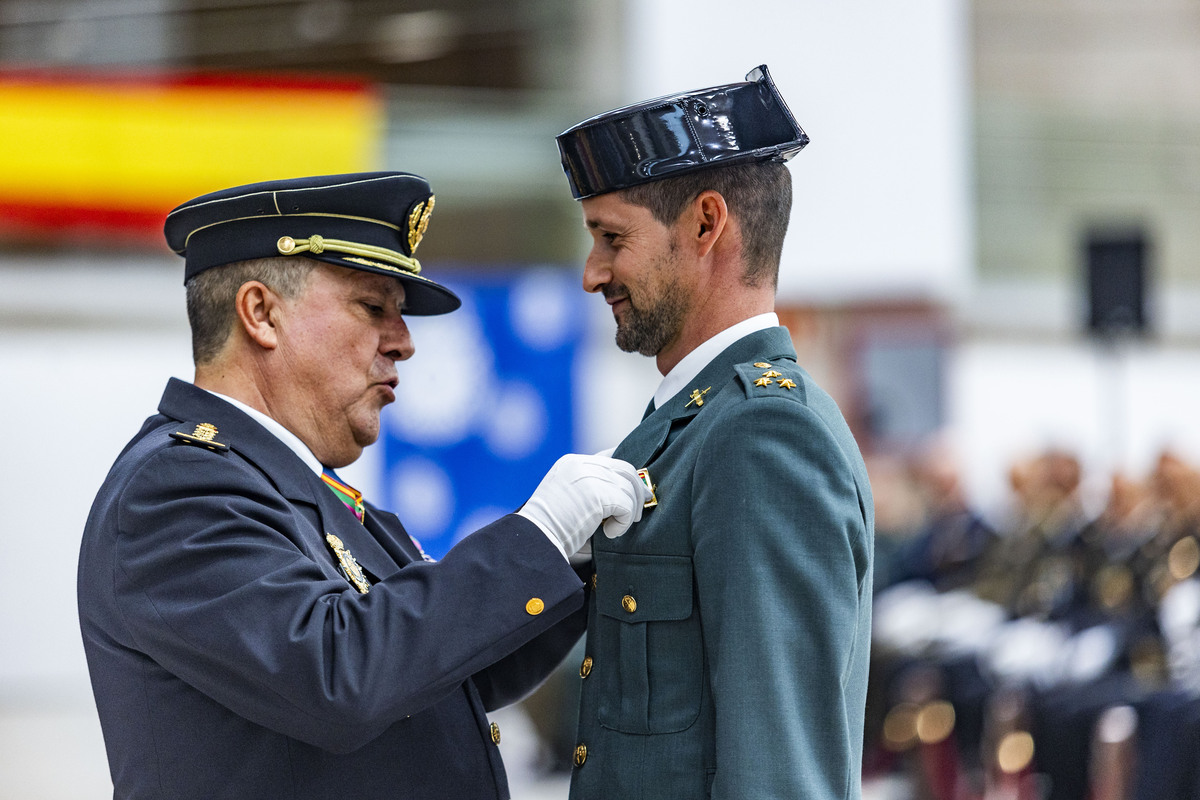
[
  {"x": 366, "y": 281},
  {"x": 608, "y": 210}
]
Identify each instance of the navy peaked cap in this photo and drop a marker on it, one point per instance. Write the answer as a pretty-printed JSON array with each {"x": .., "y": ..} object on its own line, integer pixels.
[
  {"x": 371, "y": 221},
  {"x": 681, "y": 133}
]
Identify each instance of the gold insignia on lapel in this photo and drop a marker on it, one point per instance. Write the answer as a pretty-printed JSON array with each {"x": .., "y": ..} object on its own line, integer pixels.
[
  {"x": 763, "y": 382},
  {"x": 350, "y": 567},
  {"x": 788, "y": 383},
  {"x": 762, "y": 365},
  {"x": 697, "y": 397},
  {"x": 418, "y": 223},
  {"x": 772, "y": 373},
  {"x": 644, "y": 474},
  {"x": 205, "y": 435}
]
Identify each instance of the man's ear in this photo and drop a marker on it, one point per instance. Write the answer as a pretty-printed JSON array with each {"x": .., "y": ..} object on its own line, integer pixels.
[
  {"x": 709, "y": 216},
  {"x": 257, "y": 306}
]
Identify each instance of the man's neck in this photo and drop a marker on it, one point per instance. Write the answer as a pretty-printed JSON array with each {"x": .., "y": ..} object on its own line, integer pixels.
[
  {"x": 229, "y": 380},
  {"x": 707, "y": 321}
]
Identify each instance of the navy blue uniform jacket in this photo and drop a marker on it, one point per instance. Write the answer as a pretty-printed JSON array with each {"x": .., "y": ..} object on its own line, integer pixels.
[{"x": 231, "y": 658}]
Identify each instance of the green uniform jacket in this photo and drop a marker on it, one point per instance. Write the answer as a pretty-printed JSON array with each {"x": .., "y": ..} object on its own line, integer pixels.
[{"x": 729, "y": 630}]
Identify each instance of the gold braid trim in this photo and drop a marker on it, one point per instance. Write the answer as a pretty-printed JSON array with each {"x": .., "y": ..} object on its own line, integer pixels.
[{"x": 290, "y": 246}]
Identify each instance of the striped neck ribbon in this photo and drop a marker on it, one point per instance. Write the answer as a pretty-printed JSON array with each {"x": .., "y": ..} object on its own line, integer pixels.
[{"x": 346, "y": 493}]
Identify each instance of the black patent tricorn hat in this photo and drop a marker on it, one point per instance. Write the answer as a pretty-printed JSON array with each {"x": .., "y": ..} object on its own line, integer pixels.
[
  {"x": 680, "y": 133},
  {"x": 371, "y": 221}
]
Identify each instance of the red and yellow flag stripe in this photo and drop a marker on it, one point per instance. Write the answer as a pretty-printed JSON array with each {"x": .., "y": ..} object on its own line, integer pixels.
[{"x": 115, "y": 152}]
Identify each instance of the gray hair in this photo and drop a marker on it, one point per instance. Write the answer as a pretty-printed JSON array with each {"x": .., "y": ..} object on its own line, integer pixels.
[{"x": 211, "y": 295}]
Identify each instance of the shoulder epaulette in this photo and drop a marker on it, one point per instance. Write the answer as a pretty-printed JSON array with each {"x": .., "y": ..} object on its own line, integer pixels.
[
  {"x": 762, "y": 378},
  {"x": 205, "y": 435}
]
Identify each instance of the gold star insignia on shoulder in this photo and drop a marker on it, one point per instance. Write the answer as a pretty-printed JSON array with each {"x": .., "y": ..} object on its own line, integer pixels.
[
  {"x": 762, "y": 365},
  {"x": 763, "y": 382},
  {"x": 205, "y": 435},
  {"x": 772, "y": 374},
  {"x": 697, "y": 397},
  {"x": 788, "y": 383},
  {"x": 349, "y": 565}
]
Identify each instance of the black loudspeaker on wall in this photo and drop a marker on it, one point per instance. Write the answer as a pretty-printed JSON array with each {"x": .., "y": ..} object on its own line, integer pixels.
[{"x": 1116, "y": 281}]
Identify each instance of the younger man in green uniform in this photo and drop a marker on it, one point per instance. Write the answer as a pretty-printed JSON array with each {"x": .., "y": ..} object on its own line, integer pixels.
[{"x": 729, "y": 630}]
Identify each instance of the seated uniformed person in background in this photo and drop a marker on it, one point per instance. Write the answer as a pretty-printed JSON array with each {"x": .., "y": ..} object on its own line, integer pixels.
[
  {"x": 1098, "y": 648},
  {"x": 253, "y": 626},
  {"x": 728, "y": 638}
]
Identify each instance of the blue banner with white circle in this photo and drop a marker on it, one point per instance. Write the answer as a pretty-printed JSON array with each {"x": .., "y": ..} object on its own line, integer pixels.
[{"x": 484, "y": 407}]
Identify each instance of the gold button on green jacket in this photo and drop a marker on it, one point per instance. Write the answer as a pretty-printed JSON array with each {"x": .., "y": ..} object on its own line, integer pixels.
[{"x": 739, "y": 667}]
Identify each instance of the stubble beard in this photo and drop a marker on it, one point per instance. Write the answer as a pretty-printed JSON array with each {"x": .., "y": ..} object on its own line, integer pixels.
[{"x": 649, "y": 329}]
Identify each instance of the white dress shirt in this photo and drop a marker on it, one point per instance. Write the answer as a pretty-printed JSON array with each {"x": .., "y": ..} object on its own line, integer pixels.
[
  {"x": 691, "y": 365},
  {"x": 281, "y": 433}
]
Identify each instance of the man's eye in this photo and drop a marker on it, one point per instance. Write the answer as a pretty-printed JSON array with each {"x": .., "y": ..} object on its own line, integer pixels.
[{"x": 373, "y": 309}]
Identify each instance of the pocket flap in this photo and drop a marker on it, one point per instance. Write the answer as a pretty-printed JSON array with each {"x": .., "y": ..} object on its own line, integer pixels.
[{"x": 642, "y": 588}]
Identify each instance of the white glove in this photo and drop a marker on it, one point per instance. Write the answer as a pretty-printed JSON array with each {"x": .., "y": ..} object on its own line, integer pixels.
[{"x": 578, "y": 493}]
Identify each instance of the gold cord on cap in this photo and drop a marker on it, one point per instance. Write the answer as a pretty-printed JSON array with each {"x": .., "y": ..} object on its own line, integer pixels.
[{"x": 290, "y": 246}]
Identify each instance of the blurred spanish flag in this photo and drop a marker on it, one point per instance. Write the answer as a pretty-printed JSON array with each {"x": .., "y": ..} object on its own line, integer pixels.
[{"x": 106, "y": 156}]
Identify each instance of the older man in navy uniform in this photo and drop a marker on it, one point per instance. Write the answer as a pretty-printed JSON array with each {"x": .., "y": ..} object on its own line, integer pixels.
[
  {"x": 253, "y": 626},
  {"x": 729, "y": 630}
]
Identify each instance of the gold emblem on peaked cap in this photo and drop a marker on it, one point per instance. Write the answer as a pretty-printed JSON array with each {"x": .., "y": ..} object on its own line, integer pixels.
[{"x": 418, "y": 223}]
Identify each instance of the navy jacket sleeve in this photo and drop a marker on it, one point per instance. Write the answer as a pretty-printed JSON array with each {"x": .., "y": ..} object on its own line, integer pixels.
[{"x": 212, "y": 579}]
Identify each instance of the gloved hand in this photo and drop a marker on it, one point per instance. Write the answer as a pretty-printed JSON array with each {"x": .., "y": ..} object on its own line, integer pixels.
[{"x": 578, "y": 493}]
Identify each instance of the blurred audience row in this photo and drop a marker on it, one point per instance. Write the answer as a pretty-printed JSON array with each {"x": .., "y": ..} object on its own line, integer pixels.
[{"x": 1042, "y": 653}]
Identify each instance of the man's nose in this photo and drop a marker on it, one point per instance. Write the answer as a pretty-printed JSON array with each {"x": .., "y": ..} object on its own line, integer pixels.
[
  {"x": 396, "y": 342},
  {"x": 596, "y": 272}
]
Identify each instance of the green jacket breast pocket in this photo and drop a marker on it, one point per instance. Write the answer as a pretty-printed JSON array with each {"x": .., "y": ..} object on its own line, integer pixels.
[{"x": 645, "y": 615}]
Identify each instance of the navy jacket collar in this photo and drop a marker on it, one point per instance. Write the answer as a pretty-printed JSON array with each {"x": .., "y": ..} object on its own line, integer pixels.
[{"x": 295, "y": 480}]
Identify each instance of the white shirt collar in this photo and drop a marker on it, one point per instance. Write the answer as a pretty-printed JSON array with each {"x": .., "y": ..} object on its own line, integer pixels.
[
  {"x": 281, "y": 433},
  {"x": 690, "y": 365}
]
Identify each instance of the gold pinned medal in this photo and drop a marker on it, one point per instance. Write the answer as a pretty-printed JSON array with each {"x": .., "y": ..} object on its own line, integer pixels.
[
  {"x": 349, "y": 565},
  {"x": 644, "y": 474}
]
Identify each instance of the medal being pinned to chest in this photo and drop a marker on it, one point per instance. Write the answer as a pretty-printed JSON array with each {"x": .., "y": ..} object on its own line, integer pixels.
[{"x": 644, "y": 474}]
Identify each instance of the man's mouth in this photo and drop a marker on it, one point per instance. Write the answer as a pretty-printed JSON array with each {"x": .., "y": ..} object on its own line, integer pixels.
[{"x": 389, "y": 389}]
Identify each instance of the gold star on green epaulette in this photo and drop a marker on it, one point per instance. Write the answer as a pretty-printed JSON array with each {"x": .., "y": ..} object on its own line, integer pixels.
[
  {"x": 763, "y": 381},
  {"x": 788, "y": 383},
  {"x": 205, "y": 435},
  {"x": 771, "y": 373}
]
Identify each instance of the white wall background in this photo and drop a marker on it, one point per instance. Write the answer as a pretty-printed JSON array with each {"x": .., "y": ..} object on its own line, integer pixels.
[{"x": 881, "y": 206}]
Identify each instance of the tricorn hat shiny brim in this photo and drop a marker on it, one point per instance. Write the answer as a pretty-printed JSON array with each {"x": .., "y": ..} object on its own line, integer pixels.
[
  {"x": 370, "y": 221},
  {"x": 681, "y": 133}
]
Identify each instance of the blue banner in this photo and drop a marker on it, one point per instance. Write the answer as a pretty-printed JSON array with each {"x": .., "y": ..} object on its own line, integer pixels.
[{"x": 485, "y": 406}]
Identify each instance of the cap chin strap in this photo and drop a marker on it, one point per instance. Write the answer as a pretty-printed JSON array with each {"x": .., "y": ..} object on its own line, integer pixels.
[{"x": 290, "y": 246}]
